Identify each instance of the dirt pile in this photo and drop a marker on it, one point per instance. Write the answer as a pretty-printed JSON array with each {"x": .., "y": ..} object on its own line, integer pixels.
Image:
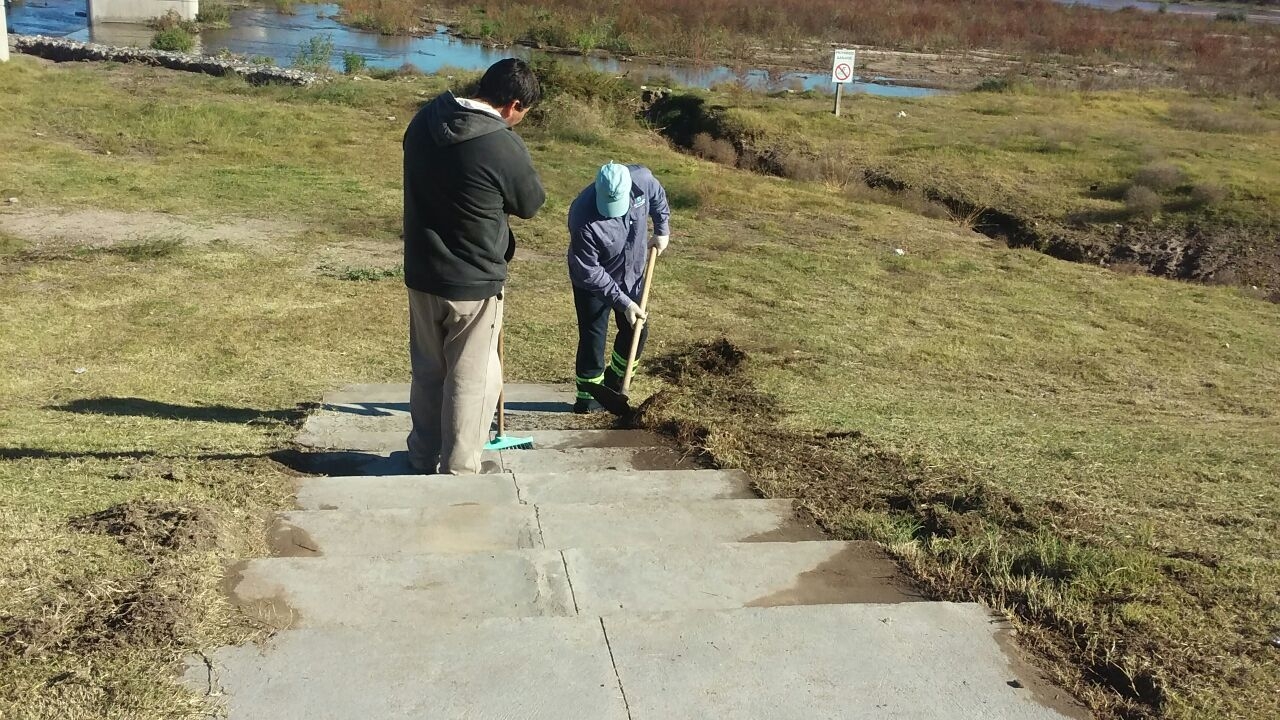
[{"x": 149, "y": 609}]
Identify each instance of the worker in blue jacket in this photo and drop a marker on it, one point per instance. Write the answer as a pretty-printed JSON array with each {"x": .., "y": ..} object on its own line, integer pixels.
[{"x": 609, "y": 239}]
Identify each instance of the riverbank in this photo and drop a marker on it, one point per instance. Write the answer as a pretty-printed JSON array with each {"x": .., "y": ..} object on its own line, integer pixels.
[{"x": 1046, "y": 41}]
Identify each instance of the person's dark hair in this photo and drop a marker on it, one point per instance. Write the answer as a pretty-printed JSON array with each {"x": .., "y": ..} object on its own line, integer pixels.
[{"x": 507, "y": 80}]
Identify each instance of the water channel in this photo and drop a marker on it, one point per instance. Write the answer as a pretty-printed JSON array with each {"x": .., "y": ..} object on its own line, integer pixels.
[{"x": 264, "y": 32}]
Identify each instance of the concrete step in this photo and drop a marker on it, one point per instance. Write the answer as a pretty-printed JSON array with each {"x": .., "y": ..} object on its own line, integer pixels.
[
  {"x": 462, "y": 528},
  {"x": 607, "y": 486},
  {"x": 414, "y": 491},
  {"x": 483, "y": 528},
  {"x": 337, "y": 436},
  {"x": 340, "y": 463},
  {"x": 378, "y": 591},
  {"x": 382, "y": 399},
  {"x": 673, "y": 522},
  {"x": 939, "y": 661},
  {"x": 608, "y": 581},
  {"x": 528, "y": 668},
  {"x": 361, "y": 492},
  {"x": 594, "y": 459}
]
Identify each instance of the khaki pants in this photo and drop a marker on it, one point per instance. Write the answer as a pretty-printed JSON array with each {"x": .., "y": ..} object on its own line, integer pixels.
[{"x": 453, "y": 351}]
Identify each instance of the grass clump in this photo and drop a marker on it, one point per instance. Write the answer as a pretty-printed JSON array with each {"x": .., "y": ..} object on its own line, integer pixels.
[{"x": 173, "y": 39}]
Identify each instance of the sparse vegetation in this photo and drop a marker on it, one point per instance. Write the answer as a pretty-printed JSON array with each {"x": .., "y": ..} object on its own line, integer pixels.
[
  {"x": 389, "y": 17},
  {"x": 171, "y": 20}
]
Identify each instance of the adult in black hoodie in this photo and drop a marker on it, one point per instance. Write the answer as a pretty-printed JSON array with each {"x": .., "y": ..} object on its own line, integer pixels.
[{"x": 465, "y": 170}]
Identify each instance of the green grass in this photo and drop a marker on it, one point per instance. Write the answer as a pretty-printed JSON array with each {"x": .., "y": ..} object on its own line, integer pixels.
[
  {"x": 1130, "y": 419},
  {"x": 1063, "y": 162},
  {"x": 1037, "y": 153}
]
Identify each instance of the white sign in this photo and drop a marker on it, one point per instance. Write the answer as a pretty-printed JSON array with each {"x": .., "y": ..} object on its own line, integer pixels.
[{"x": 842, "y": 67}]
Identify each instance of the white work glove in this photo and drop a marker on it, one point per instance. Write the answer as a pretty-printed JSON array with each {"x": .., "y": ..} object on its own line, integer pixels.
[
  {"x": 660, "y": 242},
  {"x": 635, "y": 314}
]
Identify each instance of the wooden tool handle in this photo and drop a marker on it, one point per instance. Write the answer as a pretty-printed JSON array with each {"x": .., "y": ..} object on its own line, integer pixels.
[
  {"x": 639, "y": 328},
  {"x": 502, "y": 365}
]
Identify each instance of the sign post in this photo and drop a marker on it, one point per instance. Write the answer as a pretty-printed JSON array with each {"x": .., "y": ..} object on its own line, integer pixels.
[{"x": 842, "y": 72}]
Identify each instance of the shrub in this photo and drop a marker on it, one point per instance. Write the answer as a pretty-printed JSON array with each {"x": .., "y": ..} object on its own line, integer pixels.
[
  {"x": 173, "y": 40},
  {"x": 1159, "y": 176},
  {"x": 284, "y": 7},
  {"x": 1142, "y": 202},
  {"x": 352, "y": 62},
  {"x": 1235, "y": 16},
  {"x": 1206, "y": 195},
  {"x": 314, "y": 54},
  {"x": 716, "y": 150}
]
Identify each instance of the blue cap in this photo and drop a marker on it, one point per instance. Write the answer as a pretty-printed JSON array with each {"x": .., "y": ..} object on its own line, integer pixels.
[{"x": 613, "y": 190}]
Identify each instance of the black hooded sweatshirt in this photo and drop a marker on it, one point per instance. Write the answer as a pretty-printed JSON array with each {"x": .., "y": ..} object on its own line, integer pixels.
[{"x": 464, "y": 172}]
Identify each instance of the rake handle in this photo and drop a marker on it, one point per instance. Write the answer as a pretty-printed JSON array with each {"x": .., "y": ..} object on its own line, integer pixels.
[
  {"x": 639, "y": 328},
  {"x": 502, "y": 400}
]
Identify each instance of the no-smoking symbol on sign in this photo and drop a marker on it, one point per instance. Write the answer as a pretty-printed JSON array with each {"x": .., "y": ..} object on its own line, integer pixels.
[{"x": 842, "y": 66}]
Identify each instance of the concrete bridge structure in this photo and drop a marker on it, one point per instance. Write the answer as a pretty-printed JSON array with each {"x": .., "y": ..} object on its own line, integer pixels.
[
  {"x": 114, "y": 11},
  {"x": 139, "y": 11}
]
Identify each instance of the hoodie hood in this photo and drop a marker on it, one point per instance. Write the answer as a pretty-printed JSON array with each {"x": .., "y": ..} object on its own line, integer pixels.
[{"x": 450, "y": 123}]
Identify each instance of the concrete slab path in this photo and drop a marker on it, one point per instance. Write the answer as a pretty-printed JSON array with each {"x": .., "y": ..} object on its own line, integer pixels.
[{"x": 600, "y": 576}]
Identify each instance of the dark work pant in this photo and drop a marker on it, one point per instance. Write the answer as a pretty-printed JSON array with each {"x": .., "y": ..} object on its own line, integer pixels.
[{"x": 593, "y": 333}]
